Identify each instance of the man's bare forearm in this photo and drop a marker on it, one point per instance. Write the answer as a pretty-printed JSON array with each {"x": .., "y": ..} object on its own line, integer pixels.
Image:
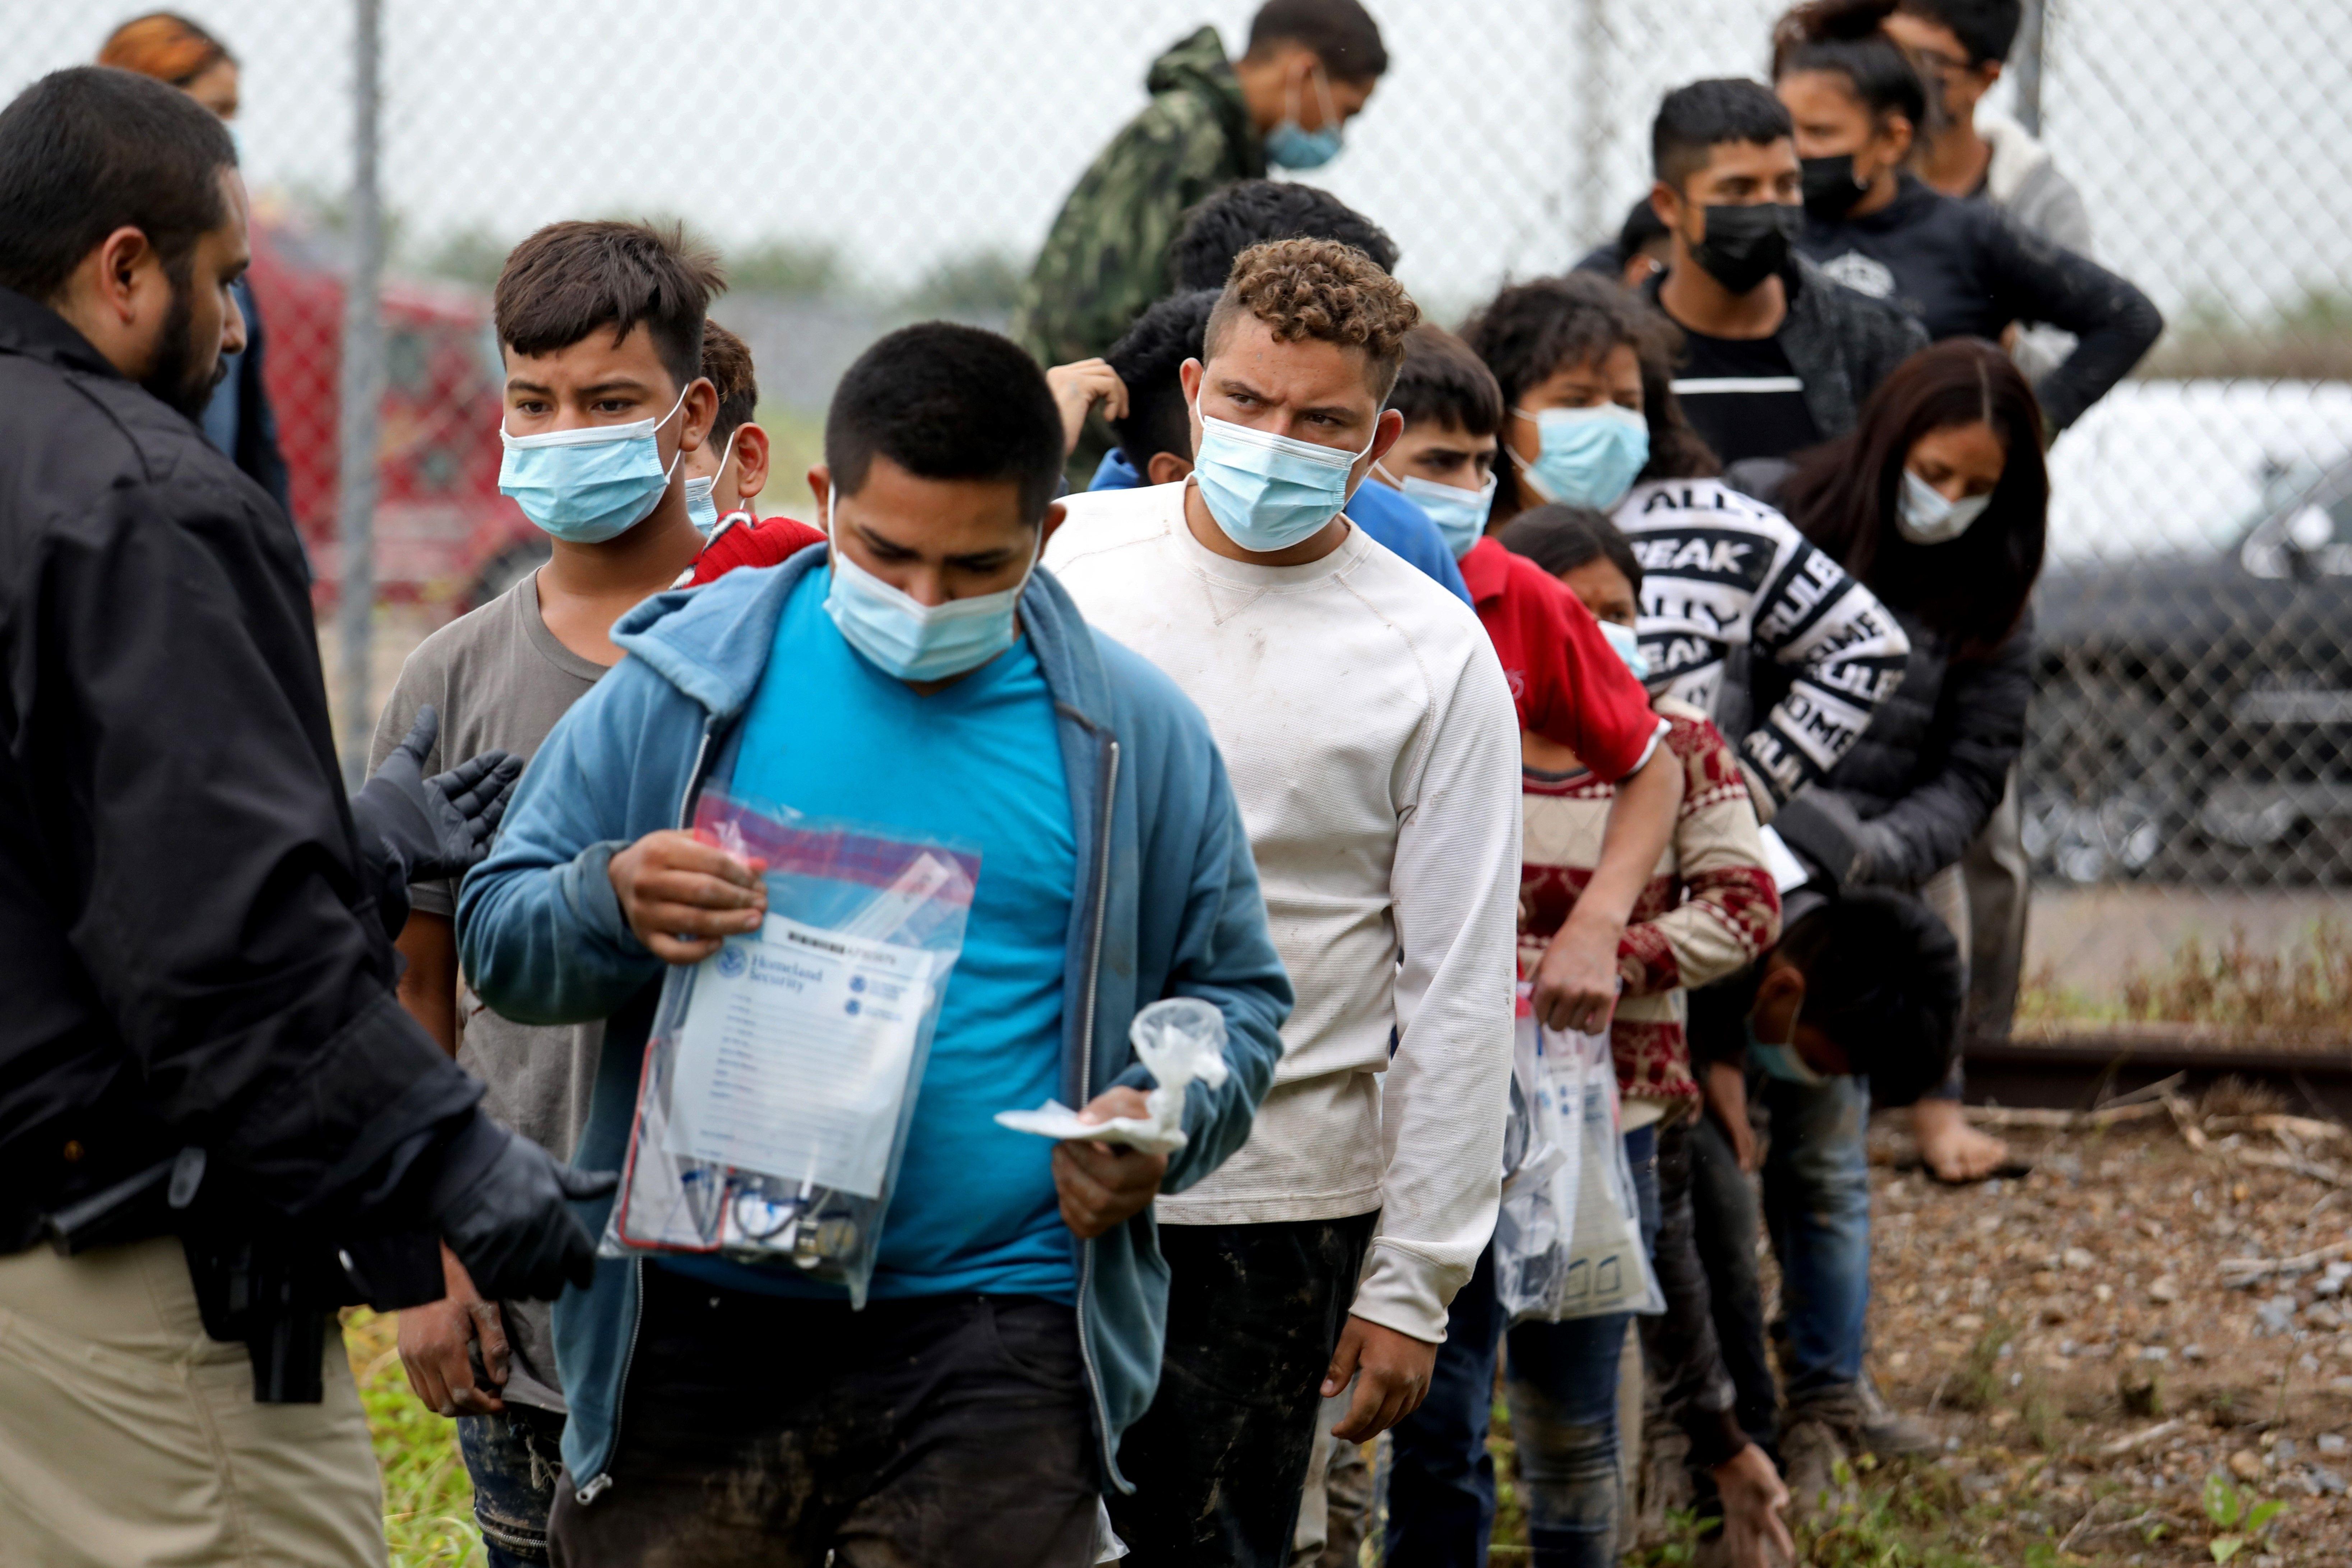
[{"x": 428, "y": 986}]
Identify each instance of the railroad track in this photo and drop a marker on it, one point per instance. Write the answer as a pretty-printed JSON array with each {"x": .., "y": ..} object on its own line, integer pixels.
[{"x": 2080, "y": 1069}]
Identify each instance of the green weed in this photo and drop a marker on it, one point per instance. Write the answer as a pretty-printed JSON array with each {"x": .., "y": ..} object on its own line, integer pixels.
[
  {"x": 1683, "y": 1528},
  {"x": 428, "y": 1502},
  {"x": 2238, "y": 1519},
  {"x": 1978, "y": 1383}
]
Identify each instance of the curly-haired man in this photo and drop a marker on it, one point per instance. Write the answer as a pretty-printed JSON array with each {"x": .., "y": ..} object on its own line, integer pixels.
[{"x": 1371, "y": 737}]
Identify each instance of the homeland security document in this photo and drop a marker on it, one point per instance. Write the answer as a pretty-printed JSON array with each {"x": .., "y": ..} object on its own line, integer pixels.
[{"x": 792, "y": 1059}]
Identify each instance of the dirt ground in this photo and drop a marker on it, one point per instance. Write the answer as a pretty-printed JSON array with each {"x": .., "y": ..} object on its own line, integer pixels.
[{"x": 2097, "y": 1337}]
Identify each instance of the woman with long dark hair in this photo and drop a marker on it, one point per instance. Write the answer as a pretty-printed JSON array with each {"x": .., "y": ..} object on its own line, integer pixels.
[
  {"x": 1936, "y": 501},
  {"x": 1587, "y": 372},
  {"x": 1961, "y": 266}
]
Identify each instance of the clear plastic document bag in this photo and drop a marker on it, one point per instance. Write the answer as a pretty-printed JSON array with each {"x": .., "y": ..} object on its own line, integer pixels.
[
  {"x": 781, "y": 1072},
  {"x": 1567, "y": 1235}
]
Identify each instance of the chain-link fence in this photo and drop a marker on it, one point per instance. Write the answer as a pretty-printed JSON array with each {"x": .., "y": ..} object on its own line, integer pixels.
[{"x": 2186, "y": 774}]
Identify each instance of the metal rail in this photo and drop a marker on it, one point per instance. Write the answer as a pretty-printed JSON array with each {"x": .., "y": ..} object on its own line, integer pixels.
[{"x": 2072, "y": 1072}]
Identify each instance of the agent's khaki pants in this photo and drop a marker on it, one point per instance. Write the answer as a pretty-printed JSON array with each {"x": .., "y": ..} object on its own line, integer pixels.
[{"x": 129, "y": 1437}]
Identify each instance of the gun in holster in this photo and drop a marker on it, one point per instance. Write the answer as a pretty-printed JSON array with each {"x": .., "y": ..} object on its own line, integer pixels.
[{"x": 272, "y": 1286}]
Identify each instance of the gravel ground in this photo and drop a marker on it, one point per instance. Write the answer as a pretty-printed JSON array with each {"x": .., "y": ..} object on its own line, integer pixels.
[{"x": 2042, "y": 1321}]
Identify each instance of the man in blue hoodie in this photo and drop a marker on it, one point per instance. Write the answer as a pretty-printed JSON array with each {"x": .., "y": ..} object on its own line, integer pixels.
[{"x": 920, "y": 675}]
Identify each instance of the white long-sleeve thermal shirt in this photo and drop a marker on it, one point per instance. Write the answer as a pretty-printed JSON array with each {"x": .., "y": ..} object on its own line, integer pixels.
[{"x": 1372, "y": 744}]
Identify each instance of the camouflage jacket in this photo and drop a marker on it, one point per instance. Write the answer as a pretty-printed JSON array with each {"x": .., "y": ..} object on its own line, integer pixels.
[{"x": 1105, "y": 259}]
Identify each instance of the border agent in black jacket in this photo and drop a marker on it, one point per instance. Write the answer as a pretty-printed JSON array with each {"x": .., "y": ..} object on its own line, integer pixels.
[{"x": 201, "y": 1037}]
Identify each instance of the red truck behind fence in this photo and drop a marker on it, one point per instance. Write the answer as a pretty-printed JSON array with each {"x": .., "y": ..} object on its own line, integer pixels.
[{"x": 445, "y": 537}]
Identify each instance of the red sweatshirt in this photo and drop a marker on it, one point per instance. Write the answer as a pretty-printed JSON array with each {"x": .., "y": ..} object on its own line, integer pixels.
[
  {"x": 742, "y": 540},
  {"x": 1570, "y": 684}
]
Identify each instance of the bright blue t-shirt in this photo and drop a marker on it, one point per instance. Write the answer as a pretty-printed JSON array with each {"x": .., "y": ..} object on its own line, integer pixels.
[
  {"x": 977, "y": 764},
  {"x": 1383, "y": 513}
]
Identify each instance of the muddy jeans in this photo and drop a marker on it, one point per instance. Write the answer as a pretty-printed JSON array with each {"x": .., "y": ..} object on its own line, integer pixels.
[
  {"x": 1442, "y": 1480},
  {"x": 1219, "y": 1460},
  {"x": 762, "y": 1429},
  {"x": 513, "y": 1459}
]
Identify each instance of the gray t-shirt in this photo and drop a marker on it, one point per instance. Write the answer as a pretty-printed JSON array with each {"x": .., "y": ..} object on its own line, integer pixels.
[{"x": 499, "y": 679}]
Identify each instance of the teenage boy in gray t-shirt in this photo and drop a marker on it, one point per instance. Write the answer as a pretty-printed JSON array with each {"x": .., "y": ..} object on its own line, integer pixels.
[{"x": 601, "y": 327}]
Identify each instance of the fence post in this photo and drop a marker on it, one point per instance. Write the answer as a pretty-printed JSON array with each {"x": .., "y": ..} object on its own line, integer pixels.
[
  {"x": 2026, "y": 64},
  {"x": 1592, "y": 205},
  {"x": 360, "y": 396}
]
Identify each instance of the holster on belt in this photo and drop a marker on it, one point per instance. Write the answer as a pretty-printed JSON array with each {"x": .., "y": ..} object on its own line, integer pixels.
[{"x": 257, "y": 1279}]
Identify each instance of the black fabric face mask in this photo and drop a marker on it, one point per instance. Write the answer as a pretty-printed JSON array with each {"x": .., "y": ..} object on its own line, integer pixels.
[
  {"x": 1745, "y": 245},
  {"x": 1830, "y": 188}
]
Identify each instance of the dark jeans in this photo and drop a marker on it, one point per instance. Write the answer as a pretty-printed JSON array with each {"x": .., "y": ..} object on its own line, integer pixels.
[
  {"x": 1817, "y": 1206},
  {"x": 1726, "y": 1221},
  {"x": 760, "y": 1429},
  {"x": 1253, "y": 1314},
  {"x": 1563, "y": 1401},
  {"x": 1441, "y": 1476},
  {"x": 514, "y": 1458},
  {"x": 1561, "y": 1380}
]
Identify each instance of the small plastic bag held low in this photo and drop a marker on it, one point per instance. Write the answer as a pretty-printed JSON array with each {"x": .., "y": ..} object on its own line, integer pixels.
[
  {"x": 780, "y": 1076},
  {"x": 1178, "y": 1039},
  {"x": 1568, "y": 1237}
]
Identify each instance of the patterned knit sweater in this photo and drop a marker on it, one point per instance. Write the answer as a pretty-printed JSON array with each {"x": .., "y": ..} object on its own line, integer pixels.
[{"x": 1709, "y": 908}]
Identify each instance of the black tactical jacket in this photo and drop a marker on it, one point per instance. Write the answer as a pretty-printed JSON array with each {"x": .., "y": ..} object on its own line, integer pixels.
[{"x": 192, "y": 954}]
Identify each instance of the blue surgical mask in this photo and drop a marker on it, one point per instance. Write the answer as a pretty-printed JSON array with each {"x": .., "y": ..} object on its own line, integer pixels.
[
  {"x": 1924, "y": 516},
  {"x": 1782, "y": 1061},
  {"x": 589, "y": 485},
  {"x": 1628, "y": 646},
  {"x": 701, "y": 505},
  {"x": 1294, "y": 147},
  {"x": 912, "y": 640},
  {"x": 1268, "y": 491},
  {"x": 1460, "y": 515},
  {"x": 1585, "y": 457}
]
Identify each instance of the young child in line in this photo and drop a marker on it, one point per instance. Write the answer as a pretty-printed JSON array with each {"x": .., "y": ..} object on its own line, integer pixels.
[
  {"x": 1707, "y": 910},
  {"x": 731, "y": 468},
  {"x": 1710, "y": 911}
]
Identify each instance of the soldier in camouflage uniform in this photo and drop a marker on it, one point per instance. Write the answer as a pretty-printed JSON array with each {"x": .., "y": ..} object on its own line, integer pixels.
[{"x": 1311, "y": 66}]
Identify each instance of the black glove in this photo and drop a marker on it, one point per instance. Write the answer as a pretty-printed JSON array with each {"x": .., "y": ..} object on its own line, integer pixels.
[
  {"x": 1825, "y": 831},
  {"x": 435, "y": 829},
  {"x": 501, "y": 1203}
]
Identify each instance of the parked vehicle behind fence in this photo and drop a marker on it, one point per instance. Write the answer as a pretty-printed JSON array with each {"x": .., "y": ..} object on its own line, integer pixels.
[
  {"x": 2192, "y": 716},
  {"x": 445, "y": 537}
]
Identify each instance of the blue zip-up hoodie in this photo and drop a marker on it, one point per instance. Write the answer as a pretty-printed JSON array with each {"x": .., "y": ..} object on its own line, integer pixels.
[{"x": 1169, "y": 907}]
